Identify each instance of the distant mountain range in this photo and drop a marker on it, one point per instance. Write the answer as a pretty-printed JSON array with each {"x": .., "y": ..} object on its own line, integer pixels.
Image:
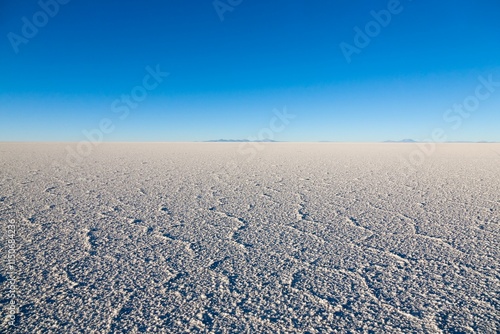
[{"x": 401, "y": 141}]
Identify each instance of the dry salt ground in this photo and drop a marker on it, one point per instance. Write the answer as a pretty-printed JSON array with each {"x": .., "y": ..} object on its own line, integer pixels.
[{"x": 204, "y": 237}]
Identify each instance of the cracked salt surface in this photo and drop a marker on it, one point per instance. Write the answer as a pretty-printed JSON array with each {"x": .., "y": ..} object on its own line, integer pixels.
[{"x": 303, "y": 238}]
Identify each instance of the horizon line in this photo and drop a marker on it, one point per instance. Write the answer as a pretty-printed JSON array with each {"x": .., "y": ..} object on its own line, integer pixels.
[{"x": 248, "y": 142}]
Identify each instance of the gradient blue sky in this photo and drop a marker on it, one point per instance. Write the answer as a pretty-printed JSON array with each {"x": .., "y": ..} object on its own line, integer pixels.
[{"x": 226, "y": 77}]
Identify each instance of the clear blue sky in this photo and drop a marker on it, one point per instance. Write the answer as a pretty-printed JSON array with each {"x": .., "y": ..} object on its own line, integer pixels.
[{"x": 227, "y": 76}]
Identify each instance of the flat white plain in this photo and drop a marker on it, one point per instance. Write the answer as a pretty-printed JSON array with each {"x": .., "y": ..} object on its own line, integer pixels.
[{"x": 194, "y": 237}]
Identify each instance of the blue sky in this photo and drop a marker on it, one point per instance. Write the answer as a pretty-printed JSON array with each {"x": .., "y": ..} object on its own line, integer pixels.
[{"x": 227, "y": 76}]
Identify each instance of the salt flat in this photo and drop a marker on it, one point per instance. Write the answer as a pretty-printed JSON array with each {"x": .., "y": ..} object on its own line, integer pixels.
[{"x": 202, "y": 237}]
